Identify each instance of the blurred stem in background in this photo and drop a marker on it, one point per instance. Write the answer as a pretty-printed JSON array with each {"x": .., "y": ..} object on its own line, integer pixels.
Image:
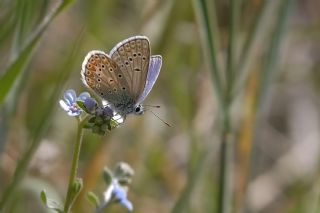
[
  {"x": 225, "y": 90},
  {"x": 256, "y": 33},
  {"x": 10, "y": 77},
  {"x": 201, "y": 10},
  {"x": 257, "y": 90},
  {"x": 223, "y": 93},
  {"x": 269, "y": 70},
  {"x": 226, "y": 175}
]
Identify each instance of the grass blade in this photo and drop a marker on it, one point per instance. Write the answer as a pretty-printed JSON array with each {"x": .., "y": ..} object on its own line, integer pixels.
[
  {"x": 9, "y": 78},
  {"x": 209, "y": 48}
]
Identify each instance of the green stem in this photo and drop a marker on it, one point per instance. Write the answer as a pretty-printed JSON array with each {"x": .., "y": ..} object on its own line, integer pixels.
[
  {"x": 246, "y": 57},
  {"x": 270, "y": 67},
  {"x": 74, "y": 167},
  {"x": 225, "y": 197},
  {"x": 226, "y": 166},
  {"x": 201, "y": 9},
  {"x": 231, "y": 57}
]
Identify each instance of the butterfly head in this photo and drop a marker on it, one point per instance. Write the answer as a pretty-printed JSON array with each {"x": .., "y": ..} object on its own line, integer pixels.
[{"x": 138, "y": 110}]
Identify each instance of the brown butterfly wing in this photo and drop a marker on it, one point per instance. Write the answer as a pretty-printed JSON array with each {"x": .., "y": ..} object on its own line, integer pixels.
[
  {"x": 132, "y": 57},
  {"x": 103, "y": 76}
]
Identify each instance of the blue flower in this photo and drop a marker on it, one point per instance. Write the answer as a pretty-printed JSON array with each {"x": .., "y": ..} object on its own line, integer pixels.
[
  {"x": 69, "y": 104},
  {"x": 104, "y": 112},
  {"x": 117, "y": 193},
  {"x": 91, "y": 105}
]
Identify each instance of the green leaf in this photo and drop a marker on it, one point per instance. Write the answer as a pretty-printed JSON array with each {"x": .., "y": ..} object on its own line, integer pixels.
[
  {"x": 49, "y": 203},
  {"x": 77, "y": 186},
  {"x": 82, "y": 106},
  {"x": 7, "y": 80},
  {"x": 107, "y": 175},
  {"x": 93, "y": 199},
  {"x": 43, "y": 197}
]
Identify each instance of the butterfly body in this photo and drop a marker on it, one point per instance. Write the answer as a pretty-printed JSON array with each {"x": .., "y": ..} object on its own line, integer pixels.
[{"x": 125, "y": 76}]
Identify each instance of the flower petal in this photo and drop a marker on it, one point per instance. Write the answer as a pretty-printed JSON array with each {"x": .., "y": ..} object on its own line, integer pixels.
[
  {"x": 70, "y": 96},
  {"x": 74, "y": 113},
  {"x": 83, "y": 96},
  {"x": 64, "y": 105},
  {"x": 90, "y": 104},
  {"x": 121, "y": 194},
  {"x": 127, "y": 204},
  {"x": 108, "y": 193}
]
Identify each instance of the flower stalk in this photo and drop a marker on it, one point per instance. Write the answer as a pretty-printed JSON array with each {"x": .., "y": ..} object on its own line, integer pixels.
[{"x": 74, "y": 168}]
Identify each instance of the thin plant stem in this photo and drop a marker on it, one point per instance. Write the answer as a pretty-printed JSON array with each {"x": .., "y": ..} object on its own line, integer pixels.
[
  {"x": 247, "y": 51},
  {"x": 225, "y": 198},
  {"x": 225, "y": 171},
  {"x": 209, "y": 47},
  {"x": 231, "y": 56},
  {"x": 74, "y": 167},
  {"x": 272, "y": 57}
]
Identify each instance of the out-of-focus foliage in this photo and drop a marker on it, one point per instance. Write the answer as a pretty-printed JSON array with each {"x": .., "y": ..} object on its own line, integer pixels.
[{"x": 276, "y": 167}]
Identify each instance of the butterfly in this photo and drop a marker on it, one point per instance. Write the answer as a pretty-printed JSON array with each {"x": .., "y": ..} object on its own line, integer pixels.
[{"x": 125, "y": 77}]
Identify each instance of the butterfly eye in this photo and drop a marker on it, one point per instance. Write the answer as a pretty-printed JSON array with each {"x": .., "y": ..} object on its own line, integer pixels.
[
  {"x": 110, "y": 80},
  {"x": 130, "y": 59},
  {"x": 143, "y": 58},
  {"x": 123, "y": 88},
  {"x": 115, "y": 89},
  {"x": 110, "y": 69},
  {"x": 127, "y": 63},
  {"x": 139, "y": 54},
  {"x": 139, "y": 110},
  {"x": 101, "y": 93},
  {"x": 119, "y": 75},
  {"x": 134, "y": 55}
]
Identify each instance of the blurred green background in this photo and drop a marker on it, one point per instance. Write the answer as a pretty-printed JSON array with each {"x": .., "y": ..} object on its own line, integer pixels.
[{"x": 274, "y": 115}]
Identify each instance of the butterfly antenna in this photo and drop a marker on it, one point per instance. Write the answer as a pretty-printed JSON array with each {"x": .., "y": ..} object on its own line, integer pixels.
[
  {"x": 159, "y": 118},
  {"x": 155, "y": 106}
]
